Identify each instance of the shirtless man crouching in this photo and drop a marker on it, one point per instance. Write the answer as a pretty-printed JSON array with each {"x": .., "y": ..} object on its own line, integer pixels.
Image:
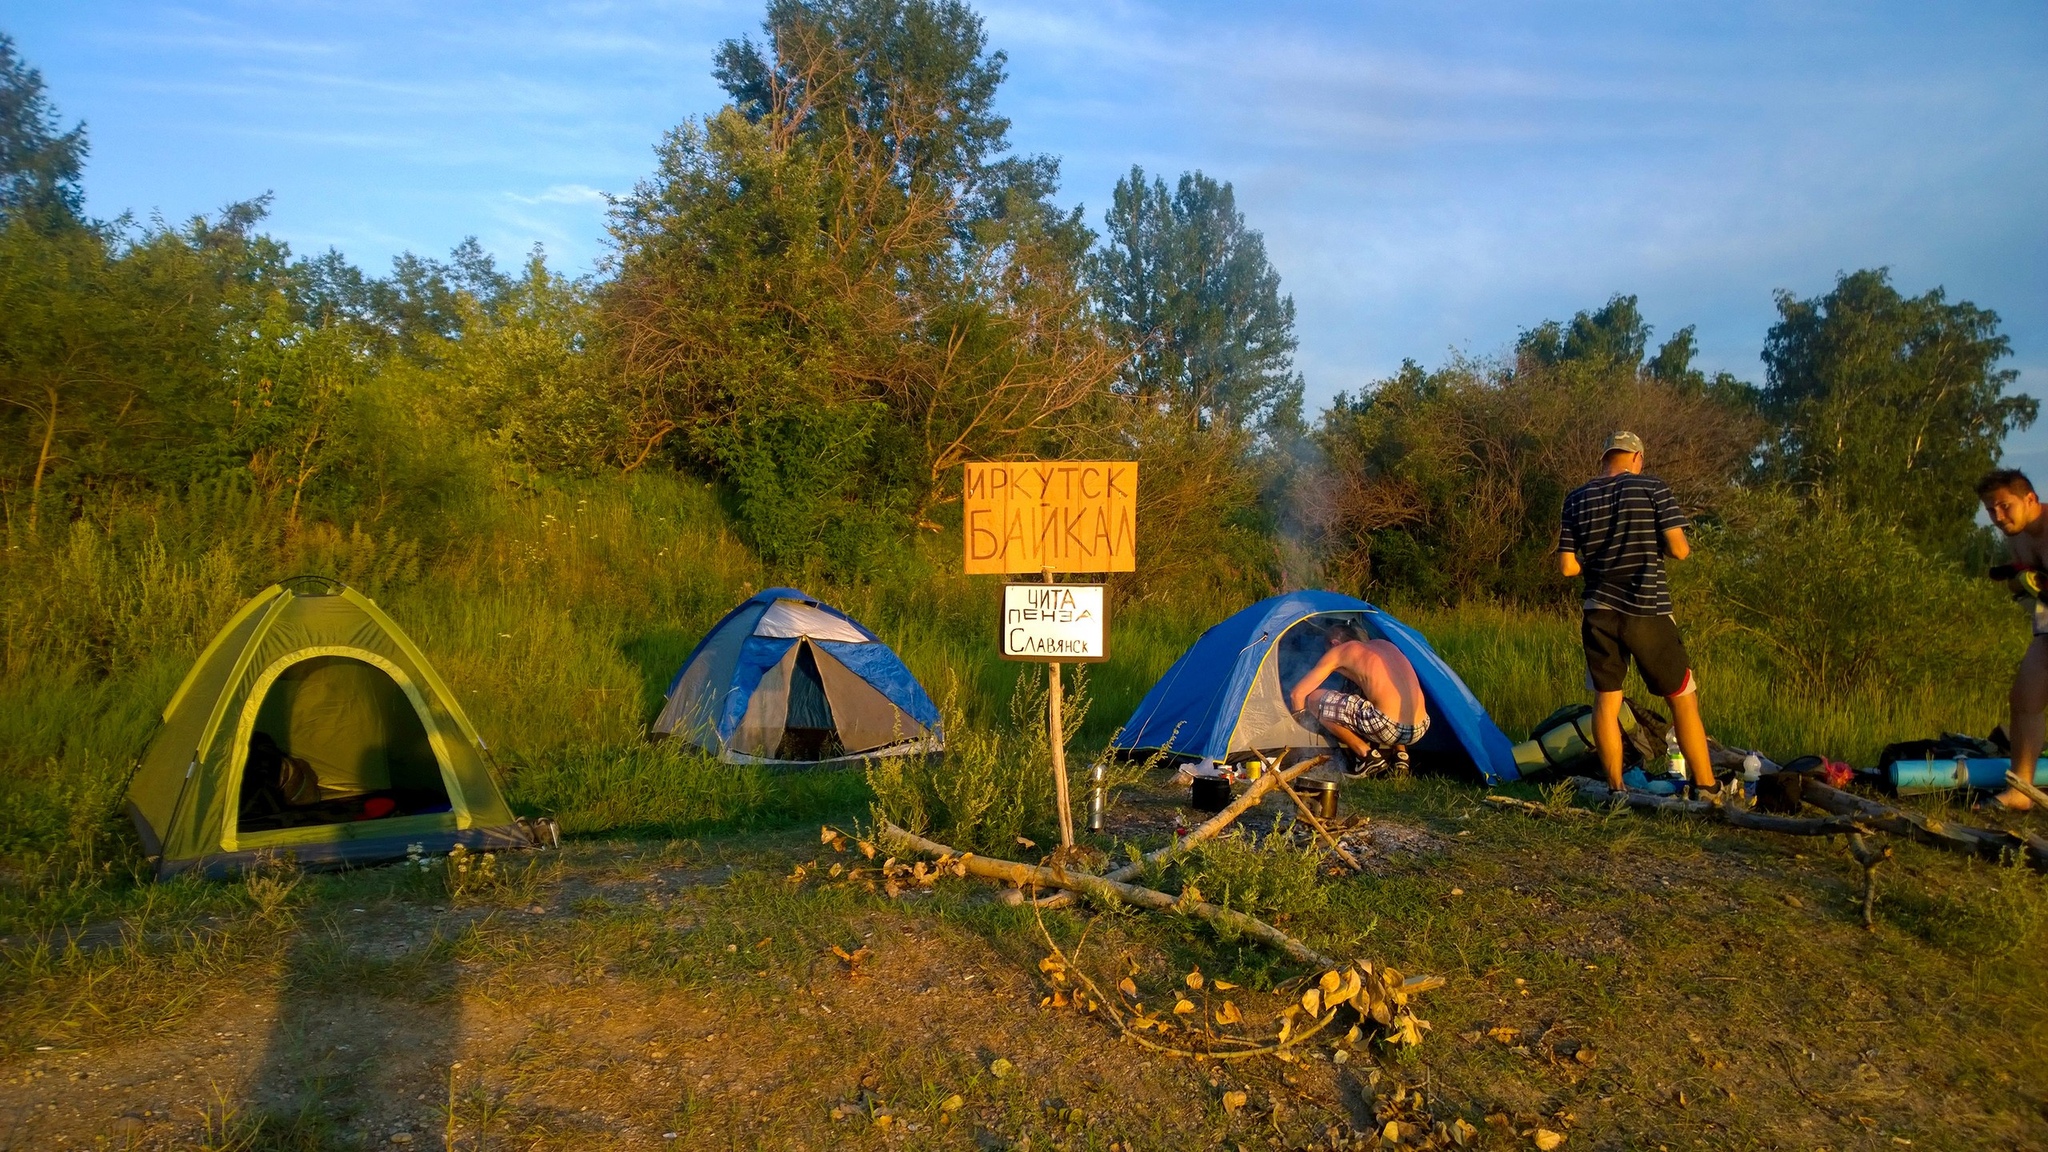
[
  {"x": 2009, "y": 499},
  {"x": 1385, "y": 714}
]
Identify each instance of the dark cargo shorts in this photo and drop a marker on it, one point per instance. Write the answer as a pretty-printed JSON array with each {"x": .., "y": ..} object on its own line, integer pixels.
[{"x": 1612, "y": 637}]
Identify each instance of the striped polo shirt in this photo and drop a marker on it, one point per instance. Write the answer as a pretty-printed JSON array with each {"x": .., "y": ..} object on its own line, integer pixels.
[{"x": 1616, "y": 525}]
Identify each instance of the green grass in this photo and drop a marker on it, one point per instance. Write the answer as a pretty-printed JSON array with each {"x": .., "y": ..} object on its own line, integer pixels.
[{"x": 560, "y": 614}]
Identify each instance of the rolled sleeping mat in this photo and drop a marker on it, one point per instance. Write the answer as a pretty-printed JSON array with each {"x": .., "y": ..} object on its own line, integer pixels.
[{"x": 1915, "y": 777}]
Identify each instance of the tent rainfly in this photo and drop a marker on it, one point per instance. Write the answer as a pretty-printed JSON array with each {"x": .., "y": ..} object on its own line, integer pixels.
[
  {"x": 785, "y": 679},
  {"x": 1226, "y": 698},
  {"x": 312, "y": 726}
]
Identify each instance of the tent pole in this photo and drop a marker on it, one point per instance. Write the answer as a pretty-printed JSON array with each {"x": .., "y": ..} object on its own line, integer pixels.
[{"x": 1054, "y": 707}]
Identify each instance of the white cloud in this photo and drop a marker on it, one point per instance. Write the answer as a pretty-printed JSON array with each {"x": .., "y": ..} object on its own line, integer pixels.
[{"x": 564, "y": 194}]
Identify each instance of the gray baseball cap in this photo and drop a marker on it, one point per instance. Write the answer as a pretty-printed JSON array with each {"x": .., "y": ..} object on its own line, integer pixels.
[{"x": 1623, "y": 442}]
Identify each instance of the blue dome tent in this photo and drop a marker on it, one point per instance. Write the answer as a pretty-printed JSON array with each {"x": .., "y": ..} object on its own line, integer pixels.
[
  {"x": 785, "y": 679},
  {"x": 1226, "y": 697}
]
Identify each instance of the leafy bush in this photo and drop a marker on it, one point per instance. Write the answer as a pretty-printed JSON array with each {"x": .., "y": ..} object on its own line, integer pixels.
[
  {"x": 1257, "y": 875},
  {"x": 992, "y": 785},
  {"x": 1832, "y": 599}
]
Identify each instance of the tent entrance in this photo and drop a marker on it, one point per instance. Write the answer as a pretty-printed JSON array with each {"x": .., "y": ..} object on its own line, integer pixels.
[
  {"x": 336, "y": 740},
  {"x": 1266, "y": 728},
  {"x": 808, "y": 731}
]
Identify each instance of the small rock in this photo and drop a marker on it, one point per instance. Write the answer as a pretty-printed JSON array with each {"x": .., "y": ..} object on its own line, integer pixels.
[{"x": 401, "y": 1137}]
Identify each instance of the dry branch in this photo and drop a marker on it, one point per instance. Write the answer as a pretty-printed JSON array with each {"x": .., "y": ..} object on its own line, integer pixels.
[
  {"x": 1755, "y": 821},
  {"x": 1869, "y": 858},
  {"x": 1962, "y": 838},
  {"x": 1210, "y": 827},
  {"x": 1108, "y": 890},
  {"x": 1534, "y": 809},
  {"x": 2026, "y": 788}
]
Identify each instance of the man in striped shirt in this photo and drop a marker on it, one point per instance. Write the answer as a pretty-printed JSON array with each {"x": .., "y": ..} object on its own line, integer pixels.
[{"x": 1618, "y": 527}]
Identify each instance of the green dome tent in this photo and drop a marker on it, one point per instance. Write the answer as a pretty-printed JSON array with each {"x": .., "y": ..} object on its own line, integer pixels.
[{"x": 312, "y": 726}]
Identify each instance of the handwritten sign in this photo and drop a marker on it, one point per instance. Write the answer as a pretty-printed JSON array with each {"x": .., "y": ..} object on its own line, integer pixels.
[
  {"x": 1065, "y": 515},
  {"x": 1063, "y": 622}
]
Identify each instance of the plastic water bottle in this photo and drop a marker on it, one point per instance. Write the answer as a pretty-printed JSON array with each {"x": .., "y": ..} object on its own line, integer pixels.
[
  {"x": 1676, "y": 758},
  {"x": 1752, "y": 771}
]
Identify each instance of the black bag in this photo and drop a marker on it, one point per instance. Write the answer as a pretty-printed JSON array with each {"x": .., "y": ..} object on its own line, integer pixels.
[{"x": 1948, "y": 746}]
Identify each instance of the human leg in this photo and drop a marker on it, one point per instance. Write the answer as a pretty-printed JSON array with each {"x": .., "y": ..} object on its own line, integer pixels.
[
  {"x": 1660, "y": 656},
  {"x": 1606, "y": 671},
  {"x": 1338, "y": 713},
  {"x": 2028, "y": 725},
  {"x": 1692, "y": 736},
  {"x": 1607, "y": 735}
]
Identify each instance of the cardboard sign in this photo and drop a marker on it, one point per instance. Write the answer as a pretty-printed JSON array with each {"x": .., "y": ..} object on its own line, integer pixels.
[
  {"x": 1064, "y": 622},
  {"x": 1066, "y": 515}
]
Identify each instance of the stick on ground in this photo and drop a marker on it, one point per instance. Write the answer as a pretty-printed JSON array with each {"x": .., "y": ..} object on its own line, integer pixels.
[
  {"x": 2026, "y": 788},
  {"x": 1870, "y": 858},
  {"x": 1926, "y": 829},
  {"x": 1207, "y": 829},
  {"x": 1105, "y": 889},
  {"x": 1599, "y": 793}
]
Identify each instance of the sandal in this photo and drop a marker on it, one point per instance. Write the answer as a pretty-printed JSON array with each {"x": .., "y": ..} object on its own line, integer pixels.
[{"x": 1997, "y": 802}]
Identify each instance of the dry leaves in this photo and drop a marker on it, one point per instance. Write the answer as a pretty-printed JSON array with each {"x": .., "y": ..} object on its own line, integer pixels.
[
  {"x": 1371, "y": 995},
  {"x": 852, "y": 959},
  {"x": 892, "y": 877}
]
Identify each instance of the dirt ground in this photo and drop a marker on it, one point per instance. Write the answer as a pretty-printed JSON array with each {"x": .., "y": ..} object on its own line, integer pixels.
[
  {"x": 1619, "y": 982},
  {"x": 577, "y": 1021}
]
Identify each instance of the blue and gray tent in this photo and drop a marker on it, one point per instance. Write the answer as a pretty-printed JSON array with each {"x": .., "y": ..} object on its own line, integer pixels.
[
  {"x": 1225, "y": 699},
  {"x": 785, "y": 679}
]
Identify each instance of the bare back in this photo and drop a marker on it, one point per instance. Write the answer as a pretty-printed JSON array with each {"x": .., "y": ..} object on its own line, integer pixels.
[{"x": 1383, "y": 676}]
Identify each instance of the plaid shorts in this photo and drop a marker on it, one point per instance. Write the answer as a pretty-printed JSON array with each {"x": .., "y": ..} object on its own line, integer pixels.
[{"x": 1348, "y": 710}]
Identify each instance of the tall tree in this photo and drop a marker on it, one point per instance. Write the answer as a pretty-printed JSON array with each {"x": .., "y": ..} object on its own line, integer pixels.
[
  {"x": 40, "y": 165},
  {"x": 1192, "y": 300},
  {"x": 1894, "y": 403},
  {"x": 840, "y": 287}
]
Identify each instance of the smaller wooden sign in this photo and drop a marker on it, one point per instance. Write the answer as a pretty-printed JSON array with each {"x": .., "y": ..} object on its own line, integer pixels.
[{"x": 1059, "y": 623}]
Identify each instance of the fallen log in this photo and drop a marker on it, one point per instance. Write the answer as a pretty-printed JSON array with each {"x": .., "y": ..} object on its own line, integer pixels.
[
  {"x": 1107, "y": 890},
  {"x": 1208, "y": 828},
  {"x": 1964, "y": 838},
  {"x": 1735, "y": 817}
]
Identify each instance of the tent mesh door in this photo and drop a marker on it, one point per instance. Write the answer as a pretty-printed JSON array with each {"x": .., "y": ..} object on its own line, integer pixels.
[{"x": 808, "y": 733}]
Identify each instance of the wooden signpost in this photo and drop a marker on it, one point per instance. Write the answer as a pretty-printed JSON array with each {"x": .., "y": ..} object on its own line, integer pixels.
[{"x": 1044, "y": 517}]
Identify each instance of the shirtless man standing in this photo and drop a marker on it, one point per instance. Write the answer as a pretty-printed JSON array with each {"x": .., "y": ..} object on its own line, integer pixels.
[
  {"x": 1387, "y": 711},
  {"x": 2009, "y": 499}
]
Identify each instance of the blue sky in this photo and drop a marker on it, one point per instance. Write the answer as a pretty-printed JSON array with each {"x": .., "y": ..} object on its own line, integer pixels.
[{"x": 1429, "y": 178}]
